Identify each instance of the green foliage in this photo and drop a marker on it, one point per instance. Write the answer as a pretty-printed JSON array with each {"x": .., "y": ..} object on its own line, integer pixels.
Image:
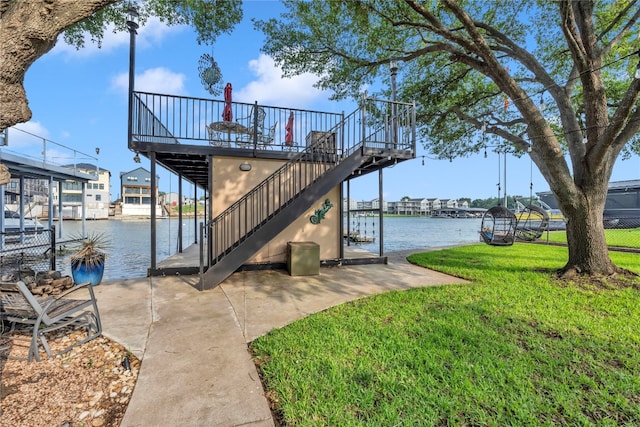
[
  {"x": 511, "y": 348},
  {"x": 209, "y": 18},
  {"x": 526, "y": 77},
  {"x": 188, "y": 209},
  {"x": 486, "y": 203},
  {"x": 350, "y": 43},
  {"x": 495, "y": 201}
]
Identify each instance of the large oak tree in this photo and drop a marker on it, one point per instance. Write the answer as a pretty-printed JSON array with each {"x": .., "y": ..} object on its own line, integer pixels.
[
  {"x": 31, "y": 28},
  {"x": 554, "y": 80}
]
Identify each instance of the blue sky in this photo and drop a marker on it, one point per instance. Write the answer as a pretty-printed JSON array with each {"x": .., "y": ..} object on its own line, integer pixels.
[{"x": 79, "y": 100}]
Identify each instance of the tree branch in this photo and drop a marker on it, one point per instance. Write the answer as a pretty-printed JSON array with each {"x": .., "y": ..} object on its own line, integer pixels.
[
  {"x": 625, "y": 29},
  {"x": 24, "y": 42}
]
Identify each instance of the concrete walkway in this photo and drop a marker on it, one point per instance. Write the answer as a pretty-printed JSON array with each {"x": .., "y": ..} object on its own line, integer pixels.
[{"x": 196, "y": 370}]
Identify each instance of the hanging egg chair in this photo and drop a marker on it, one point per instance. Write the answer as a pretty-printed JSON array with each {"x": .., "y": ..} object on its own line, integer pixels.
[
  {"x": 532, "y": 222},
  {"x": 498, "y": 226}
]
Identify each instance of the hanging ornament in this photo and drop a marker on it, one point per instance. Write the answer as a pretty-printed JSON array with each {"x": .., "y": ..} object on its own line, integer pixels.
[{"x": 210, "y": 74}]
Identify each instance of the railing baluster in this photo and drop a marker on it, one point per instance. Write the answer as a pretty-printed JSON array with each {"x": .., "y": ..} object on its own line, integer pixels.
[{"x": 350, "y": 132}]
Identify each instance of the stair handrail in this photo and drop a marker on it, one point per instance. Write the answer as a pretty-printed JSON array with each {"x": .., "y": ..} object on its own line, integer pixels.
[{"x": 321, "y": 156}]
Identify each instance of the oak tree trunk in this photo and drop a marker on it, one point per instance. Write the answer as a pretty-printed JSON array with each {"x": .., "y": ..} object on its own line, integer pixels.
[
  {"x": 588, "y": 250},
  {"x": 5, "y": 175},
  {"x": 28, "y": 30}
]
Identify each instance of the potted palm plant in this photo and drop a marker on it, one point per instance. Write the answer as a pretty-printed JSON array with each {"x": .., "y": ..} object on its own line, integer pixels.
[{"x": 87, "y": 262}]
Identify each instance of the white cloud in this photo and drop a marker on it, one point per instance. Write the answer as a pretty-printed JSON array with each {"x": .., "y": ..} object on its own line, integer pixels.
[
  {"x": 151, "y": 34},
  {"x": 32, "y": 140},
  {"x": 272, "y": 89},
  {"x": 161, "y": 80},
  {"x": 32, "y": 135},
  {"x": 156, "y": 80},
  {"x": 60, "y": 156},
  {"x": 154, "y": 32}
]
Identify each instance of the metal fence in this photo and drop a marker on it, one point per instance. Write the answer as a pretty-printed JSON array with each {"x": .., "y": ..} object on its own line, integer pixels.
[
  {"x": 21, "y": 252},
  {"x": 623, "y": 231},
  {"x": 624, "y": 235},
  {"x": 27, "y": 250}
]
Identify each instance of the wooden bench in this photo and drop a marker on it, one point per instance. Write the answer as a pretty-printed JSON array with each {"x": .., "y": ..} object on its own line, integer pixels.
[{"x": 72, "y": 309}]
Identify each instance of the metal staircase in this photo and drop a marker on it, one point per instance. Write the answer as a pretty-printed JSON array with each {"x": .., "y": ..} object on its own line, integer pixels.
[{"x": 380, "y": 139}]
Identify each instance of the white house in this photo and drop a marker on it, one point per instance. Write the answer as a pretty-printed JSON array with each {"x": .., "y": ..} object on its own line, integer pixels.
[{"x": 97, "y": 195}]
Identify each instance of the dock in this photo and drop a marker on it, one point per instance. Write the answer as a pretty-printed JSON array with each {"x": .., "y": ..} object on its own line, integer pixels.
[{"x": 356, "y": 237}]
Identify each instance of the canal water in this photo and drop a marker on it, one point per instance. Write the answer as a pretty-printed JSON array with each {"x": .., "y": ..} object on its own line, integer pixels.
[
  {"x": 403, "y": 233},
  {"x": 129, "y": 253}
]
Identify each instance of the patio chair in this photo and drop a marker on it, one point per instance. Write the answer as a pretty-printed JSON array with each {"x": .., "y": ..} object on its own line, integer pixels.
[
  {"x": 254, "y": 123},
  {"x": 267, "y": 138},
  {"x": 69, "y": 311},
  {"x": 216, "y": 137}
]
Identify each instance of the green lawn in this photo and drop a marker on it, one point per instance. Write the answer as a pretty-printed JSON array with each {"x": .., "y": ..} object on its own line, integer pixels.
[
  {"x": 512, "y": 348},
  {"x": 188, "y": 209}
]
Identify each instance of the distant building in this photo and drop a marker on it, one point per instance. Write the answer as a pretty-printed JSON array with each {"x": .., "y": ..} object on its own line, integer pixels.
[
  {"x": 136, "y": 193},
  {"x": 349, "y": 204},
  {"x": 364, "y": 205},
  {"x": 435, "y": 205},
  {"x": 420, "y": 206},
  {"x": 406, "y": 206},
  {"x": 35, "y": 194},
  {"x": 97, "y": 196},
  {"x": 170, "y": 199},
  {"x": 448, "y": 203},
  {"x": 173, "y": 198}
]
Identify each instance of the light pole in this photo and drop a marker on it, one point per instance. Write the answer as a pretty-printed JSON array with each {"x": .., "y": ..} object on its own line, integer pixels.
[
  {"x": 132, "y": 23},
  {"x": 505, "y": 180},
  {"x": 393, "y": 67}
]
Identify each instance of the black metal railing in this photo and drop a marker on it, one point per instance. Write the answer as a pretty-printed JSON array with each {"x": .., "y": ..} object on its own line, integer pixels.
[
  {"x": 175, "y": 119},
  {"x": 371, "y": 126},
  {"x": 170, "y": 119}
]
